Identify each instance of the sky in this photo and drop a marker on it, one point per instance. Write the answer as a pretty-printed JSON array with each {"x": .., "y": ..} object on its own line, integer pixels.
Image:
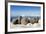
[{"x": 16, "y": 10}]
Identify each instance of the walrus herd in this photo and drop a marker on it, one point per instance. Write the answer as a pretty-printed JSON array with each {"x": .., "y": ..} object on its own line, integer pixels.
[{"x": 25, "y": 20}]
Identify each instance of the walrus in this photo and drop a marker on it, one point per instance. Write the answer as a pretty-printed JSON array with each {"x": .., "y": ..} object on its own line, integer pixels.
[{"x": 24, "y": 21}]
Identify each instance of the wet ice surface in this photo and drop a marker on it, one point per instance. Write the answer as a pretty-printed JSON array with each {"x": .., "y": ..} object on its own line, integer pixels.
[
  {"x": 29, "y": 25},
  {"x": 20, "y": 27}
]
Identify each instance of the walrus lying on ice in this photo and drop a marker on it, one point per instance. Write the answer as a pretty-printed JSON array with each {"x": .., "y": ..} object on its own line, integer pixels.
[{"x": 25, "y": 21}]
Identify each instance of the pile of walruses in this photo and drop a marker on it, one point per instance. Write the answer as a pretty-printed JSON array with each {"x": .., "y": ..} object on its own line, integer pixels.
[{"x": 24, "y": 20}]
